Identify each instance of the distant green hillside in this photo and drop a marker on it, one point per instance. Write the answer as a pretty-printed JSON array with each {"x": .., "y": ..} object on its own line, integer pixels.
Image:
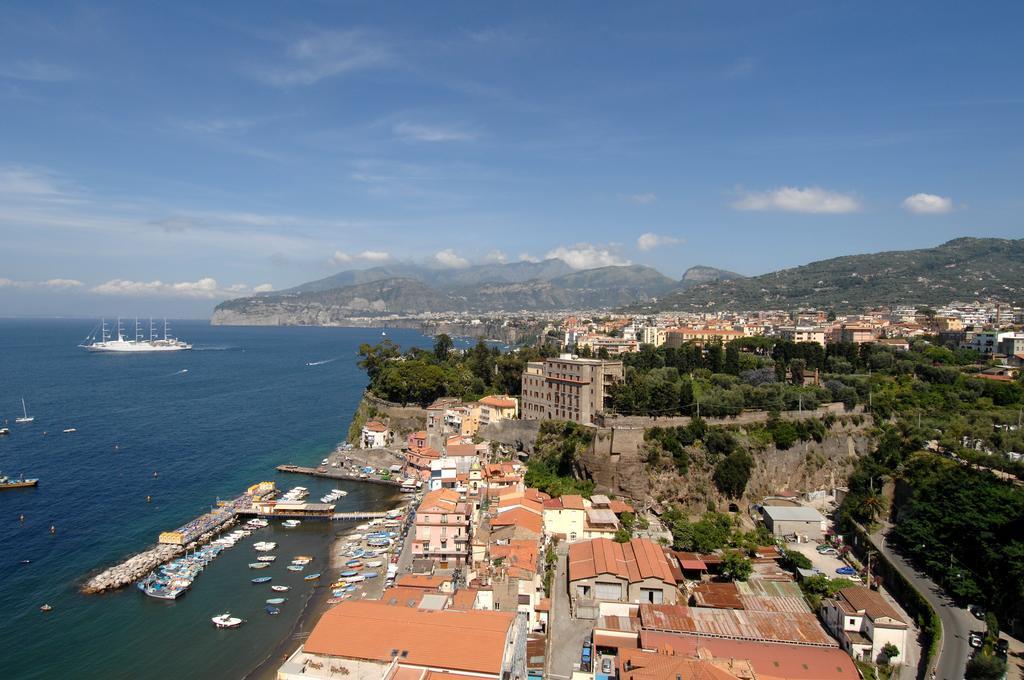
[{"x": 963, "y": 269}]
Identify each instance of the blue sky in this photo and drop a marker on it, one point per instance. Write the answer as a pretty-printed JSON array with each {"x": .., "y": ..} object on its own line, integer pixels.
[{"x": 158, "y": 157}]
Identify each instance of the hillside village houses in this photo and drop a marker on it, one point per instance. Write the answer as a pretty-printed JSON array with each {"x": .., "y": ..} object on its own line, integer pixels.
[
  {"x": 482, "y": 575},
  {"x": 374, "y": 435}
]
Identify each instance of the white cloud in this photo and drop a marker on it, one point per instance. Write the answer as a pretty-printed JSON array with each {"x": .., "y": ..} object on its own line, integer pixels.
[
  {"x": 205, "y": 287},
  {"x": 36, "y": 71},
  {"x": 324, "y": 55},
  {"x": 644, "y": 198},
  {"x": 448, "y": 258},
  {"x": 53, "y": 284},
  {"x": 340, "y": 257},
  {"x": 263, "y": 288},
  {"x": 496, "y": 257},
  {"x": 651, "y": 241},
  {"x": 586, "y": 256},
  {"x": 427, "y": 133},
  {"x": 374, "y": 256},
  {"x": 527, "y": 257},
  {"x": 217, "y": 126},
  {"x": 795, "y": 199},
  {"x": 928, "y": 204},
  {"x": 17, "y": 180}
]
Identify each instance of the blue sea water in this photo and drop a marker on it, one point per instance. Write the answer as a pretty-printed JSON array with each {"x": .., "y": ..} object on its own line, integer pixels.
[{"x": 185, "y": 428}]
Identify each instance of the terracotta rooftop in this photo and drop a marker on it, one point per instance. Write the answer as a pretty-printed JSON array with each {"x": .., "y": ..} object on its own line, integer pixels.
[
  {"x": 639, "y": 559},
  {"x": 375, "y": 426},
  {"x": 461, "y": 450},
  {"x": 520, "y": 517},
  {"x": 499, "y": 402},
  {"x": 635, "y": 664},
  {"x": 474, "y": 641},
  {"x": 420, "y": 581},
  {"x": 691, "y": 561},
  {"x": 870, "y": 602}
]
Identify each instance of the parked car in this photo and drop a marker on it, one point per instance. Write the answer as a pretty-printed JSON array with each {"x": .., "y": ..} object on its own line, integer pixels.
[
  {"x": 1002, "y": 646},
  {"x": 826, "y": 550},
  {"x": 606, "y": 665},
  {"x": 977, "y": 610},
  {"x": 846, "y": 571},
  {"x": 975, "y": 639}
]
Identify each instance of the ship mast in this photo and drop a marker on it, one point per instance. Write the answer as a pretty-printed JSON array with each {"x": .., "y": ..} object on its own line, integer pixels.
[
  {"x": 138, "y": 334},
  {"x": 152, "y": 330}
]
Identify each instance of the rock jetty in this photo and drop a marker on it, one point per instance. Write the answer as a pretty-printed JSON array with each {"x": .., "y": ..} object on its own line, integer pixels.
[{"x": 131, "y": 570}]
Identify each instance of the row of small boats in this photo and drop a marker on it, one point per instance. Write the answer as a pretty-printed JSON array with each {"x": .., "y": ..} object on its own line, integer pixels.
[{"x": 334, "y": 495}]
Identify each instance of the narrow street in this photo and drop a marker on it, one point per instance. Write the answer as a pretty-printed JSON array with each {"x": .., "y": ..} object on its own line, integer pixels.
[
  {"x": 957, "y": 623},
  {"x": 567, "y": 634}
]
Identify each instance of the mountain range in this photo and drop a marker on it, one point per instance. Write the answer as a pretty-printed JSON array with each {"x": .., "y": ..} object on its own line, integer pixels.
[{"x": 962, "y": 269}]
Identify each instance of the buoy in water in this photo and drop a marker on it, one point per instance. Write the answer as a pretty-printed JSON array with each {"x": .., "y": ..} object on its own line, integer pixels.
[{"x": 46, "y": 608}]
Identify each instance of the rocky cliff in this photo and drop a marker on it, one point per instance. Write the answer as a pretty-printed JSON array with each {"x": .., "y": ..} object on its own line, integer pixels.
[{"x": 616, "y": 463}]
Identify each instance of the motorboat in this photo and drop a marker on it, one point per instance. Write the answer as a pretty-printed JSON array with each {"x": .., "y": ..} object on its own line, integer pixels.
[
  {"x": 264, "y": 546},
  {"x": 290, "y": 523},
  {"x": 226, "y": 620},
  {"x": 267, "y": 558},
  {"x": 295, "y": 567},
  {"x": 312, "y": 577},
  {"x": 277, "y": 600},
  {"x": 259, "y": 565},
  {"x": 69, "y": 430},
  {"x": 261, "y": 579},
  {"x": 281, "y": 589},
  {"x": 273, "y": 611}
]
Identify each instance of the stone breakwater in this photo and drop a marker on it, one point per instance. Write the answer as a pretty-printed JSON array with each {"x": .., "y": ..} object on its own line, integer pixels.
[
  {"x": 137, "y": 566},
  {"x": 132, "y": 569}
]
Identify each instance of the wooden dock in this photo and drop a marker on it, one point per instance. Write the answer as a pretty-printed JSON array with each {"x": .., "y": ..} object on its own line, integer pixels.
[
  {"x": 335, "y": 474},
  {"x": 359, "y": 515}
]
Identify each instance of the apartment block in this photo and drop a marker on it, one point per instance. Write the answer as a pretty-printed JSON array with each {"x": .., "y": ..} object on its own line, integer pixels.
[{"x": 568, "y": 388}]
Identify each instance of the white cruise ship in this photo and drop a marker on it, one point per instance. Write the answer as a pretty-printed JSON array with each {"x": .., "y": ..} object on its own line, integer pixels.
[{"x": 140, "y": 344}]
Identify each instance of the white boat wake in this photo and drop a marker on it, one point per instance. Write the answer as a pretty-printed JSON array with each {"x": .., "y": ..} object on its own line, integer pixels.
[{"x": 321, "y": 363}]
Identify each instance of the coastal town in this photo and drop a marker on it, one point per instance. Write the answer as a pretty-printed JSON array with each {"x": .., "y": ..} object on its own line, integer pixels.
[{"x": 501, "y": 579}]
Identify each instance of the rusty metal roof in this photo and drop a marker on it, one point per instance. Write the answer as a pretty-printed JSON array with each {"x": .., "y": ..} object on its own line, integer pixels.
[{"x": 792, "y": 628}]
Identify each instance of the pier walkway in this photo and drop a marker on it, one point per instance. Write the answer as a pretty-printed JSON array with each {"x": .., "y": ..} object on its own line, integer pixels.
[
  {"x": 359, "y": 515},
  {"x": 335, "y": 474}
]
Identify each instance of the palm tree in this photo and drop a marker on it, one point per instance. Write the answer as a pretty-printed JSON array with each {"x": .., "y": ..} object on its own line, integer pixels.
[{"x": 871, "y": 505}]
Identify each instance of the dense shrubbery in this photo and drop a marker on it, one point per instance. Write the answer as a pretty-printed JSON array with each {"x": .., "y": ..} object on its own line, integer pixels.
[
  {"x": 421, "y": 376},
  {"x": 554, "y": 467}
]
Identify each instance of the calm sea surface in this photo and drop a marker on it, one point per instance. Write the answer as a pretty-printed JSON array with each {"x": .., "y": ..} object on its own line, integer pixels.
[{"x": 246, "y": 403}]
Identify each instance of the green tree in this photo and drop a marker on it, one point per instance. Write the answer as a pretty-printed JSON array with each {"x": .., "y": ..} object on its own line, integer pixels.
[
  {"x": 736, "y": 566},
  {"x": 732, "y": 359},
  {"x": 889, "y": 652},
  {"x": 732, "y": 473},
  {"x": 442, "y": 346},
  {"x": 985, "y": 667}
]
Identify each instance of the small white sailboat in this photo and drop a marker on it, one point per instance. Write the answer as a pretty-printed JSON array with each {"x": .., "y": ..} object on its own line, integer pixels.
[
  {"x": 25, "y": 417},
  {"x": 226, "y": 620}
]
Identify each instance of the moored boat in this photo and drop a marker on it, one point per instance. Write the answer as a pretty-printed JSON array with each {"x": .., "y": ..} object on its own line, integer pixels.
[
  {"x": 261, "y": 579},
  {"x": 273, "y": 611},
  {"x": 277, "y": 600},
  {"x": 259, "y": 565},
  {"x": 280, "y": 589},
  {"x": 226, "y": 620},
  {"x": 312, "y": 577}
]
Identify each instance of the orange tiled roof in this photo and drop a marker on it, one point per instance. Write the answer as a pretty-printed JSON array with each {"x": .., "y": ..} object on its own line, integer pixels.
[
  {"x": 375, "y": 426},
  {"x": 499, "y": 402},
  {"x": 634, "y": 561},
  {"x": 474, "y": 641},
  {"x": 421, "y": 581},
  {"x": 520, "y": 517}
]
